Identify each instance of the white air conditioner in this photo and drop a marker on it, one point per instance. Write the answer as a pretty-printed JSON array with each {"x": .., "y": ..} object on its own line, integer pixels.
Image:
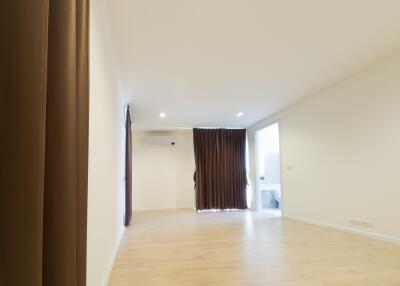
[{"x": 159, "y": 140}]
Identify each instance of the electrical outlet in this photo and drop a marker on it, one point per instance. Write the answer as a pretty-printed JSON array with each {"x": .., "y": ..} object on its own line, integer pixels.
[{"x": 362, "y": 223}]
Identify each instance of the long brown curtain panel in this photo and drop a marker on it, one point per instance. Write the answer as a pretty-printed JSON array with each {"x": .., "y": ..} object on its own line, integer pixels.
[
  {"x": 220, "y": 178},
  {"x": 44, "y": 108},
  {"x": 128, "y": 168}
]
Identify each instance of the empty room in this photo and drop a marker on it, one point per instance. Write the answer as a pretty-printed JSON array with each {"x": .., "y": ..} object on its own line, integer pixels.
[{"x": 188, "y": 143}]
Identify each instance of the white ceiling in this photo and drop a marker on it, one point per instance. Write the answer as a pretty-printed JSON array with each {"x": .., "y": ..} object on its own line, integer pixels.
[{"x": 203, "y": 61}]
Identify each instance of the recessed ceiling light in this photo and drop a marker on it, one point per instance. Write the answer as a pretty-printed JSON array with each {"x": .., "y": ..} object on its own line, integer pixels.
[
  {"x": 240, "y": 114},
  {"x": 162, "y": 114}
]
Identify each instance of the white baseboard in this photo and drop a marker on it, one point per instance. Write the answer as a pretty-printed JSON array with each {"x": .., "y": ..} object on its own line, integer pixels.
[
  {"x": 162, "y": 209},
  {"x": 112, "y": 262},
  {"x": 368, "y": 234}
]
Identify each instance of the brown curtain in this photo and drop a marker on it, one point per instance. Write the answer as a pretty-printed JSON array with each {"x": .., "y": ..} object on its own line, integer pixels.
[
  {"x": 128, "y": 169},
  {"x": 44, "y": 147},
  {"x": 220, "y": 177}
]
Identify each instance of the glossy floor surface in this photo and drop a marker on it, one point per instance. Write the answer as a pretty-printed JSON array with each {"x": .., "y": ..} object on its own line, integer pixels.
[{"x": 185, "y": 248}]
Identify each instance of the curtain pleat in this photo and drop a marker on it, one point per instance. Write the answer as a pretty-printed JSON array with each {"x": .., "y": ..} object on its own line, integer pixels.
[
  {"x": 44, "y": 147},
  {"x": 66, "y": 143},
  {"x": 220, "y": 179}
]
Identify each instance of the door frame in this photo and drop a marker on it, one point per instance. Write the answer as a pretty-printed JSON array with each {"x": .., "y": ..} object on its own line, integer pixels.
[{"x": 256, "y": 160}]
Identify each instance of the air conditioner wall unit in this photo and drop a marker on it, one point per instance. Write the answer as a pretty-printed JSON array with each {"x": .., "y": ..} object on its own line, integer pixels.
[{"x": 159, "y": 140}]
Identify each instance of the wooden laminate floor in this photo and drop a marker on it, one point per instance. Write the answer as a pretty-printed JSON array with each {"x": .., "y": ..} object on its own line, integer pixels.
[{"x": 185, "y": 248}]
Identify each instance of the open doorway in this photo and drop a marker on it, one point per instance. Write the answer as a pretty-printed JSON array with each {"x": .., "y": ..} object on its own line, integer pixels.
[{"x": 268, "y": 170}]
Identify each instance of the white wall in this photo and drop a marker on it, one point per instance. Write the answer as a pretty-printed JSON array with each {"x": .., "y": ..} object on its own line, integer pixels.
[
  {"x": 163, "y": 174},
  {"x": 343, "y": 145},
  {"x": 106, "y": 147}
]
